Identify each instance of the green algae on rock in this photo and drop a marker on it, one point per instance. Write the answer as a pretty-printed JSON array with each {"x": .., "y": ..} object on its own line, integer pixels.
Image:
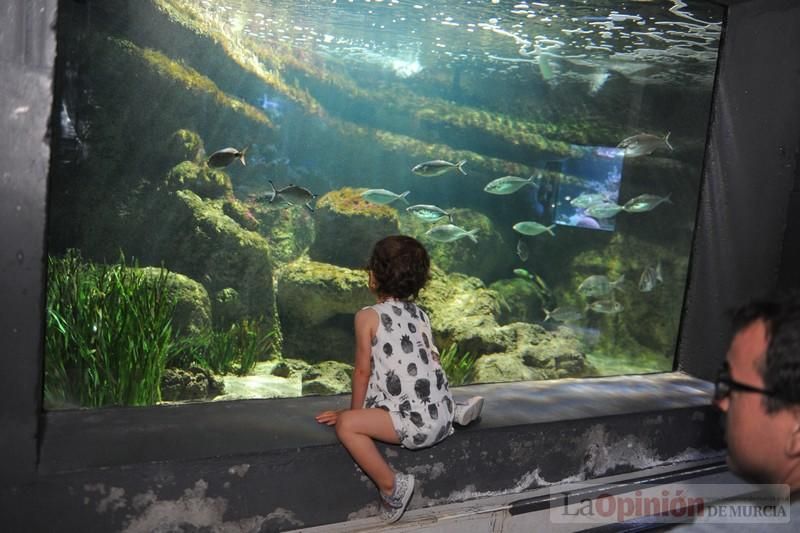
[{"x": 347, "y": 227}]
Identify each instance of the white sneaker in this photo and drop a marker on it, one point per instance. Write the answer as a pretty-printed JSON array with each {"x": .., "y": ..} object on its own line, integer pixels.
[
  {"x": 468, "y": 411},
  {"x": 395, "y": 505}
]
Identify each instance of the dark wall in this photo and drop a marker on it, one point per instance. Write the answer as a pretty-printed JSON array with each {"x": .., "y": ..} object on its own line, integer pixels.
[
  {"x": 27, "y": 53},
  {"x": 242, "y": 461},
  {"x": 751, "y": 161}
]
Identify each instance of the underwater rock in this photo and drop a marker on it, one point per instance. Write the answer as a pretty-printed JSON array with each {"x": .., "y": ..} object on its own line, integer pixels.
[
  {"x": 194, "y": 237},
  {"x": 316, "y": 303},
  {"x": 192, "y": 308},
  {"x": 347, "y": 226},
  {"x": 521, "y": 300},
  {"x": 463, "y": 311},
  {"x": 288, "y": 231},
  {"x": 195, "y": 383},
  {"x": 183, "y": 145},
  {"x": 533, "y": 353},
  {"x": 227, "y": 306},
  {"x": 240, "y": 213},
  {"x": 327, "y": 377},
  {"x": 204, "y": 181},
  {"x": 648, "y": 324},
  {"x": 286, "y": 368},
  {"x": 185, "y": 98}
]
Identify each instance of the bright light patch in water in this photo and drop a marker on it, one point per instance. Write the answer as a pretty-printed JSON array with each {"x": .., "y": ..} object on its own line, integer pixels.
[{"x": 405, "y": 69}]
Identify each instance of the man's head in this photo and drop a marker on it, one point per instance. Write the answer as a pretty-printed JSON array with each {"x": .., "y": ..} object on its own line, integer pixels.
[{"x": 759, "y": 390}]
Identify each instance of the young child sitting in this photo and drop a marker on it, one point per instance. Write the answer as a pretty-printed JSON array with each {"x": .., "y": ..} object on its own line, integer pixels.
[{"x": 400, "y": 393}]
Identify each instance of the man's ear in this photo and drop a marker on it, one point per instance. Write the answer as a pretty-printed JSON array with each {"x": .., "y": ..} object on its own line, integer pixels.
[{"x": 793, "y": 443}]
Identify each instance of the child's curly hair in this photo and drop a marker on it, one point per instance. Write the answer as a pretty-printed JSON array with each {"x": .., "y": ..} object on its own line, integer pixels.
[{"x": 400, "y": 267}]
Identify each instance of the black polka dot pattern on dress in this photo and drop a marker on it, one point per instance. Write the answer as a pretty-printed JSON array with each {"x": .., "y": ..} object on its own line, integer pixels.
[{"x": 407, "y": 380}]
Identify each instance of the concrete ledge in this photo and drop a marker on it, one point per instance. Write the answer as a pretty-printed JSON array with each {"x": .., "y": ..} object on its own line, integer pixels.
[
  {"x": 268, "y": 466},
  {"x": 83, "y": 439}
]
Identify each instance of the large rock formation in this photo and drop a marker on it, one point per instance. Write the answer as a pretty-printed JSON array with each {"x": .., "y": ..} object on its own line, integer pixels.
[
  {"x": 195, "y": 237},
  {"x": 206, "y": 182},
  {"x": 316, "y": 303},
  {"x": 463, "y": 312},
  {"x": 347, "y": 227},
  {"x": 192, "y": 308},
  {"x": 532, "y": 353},
  {"x": 289, "y": 230},
  {"x": 327, "y": 377},
  {"x": 194, "y": 383}
]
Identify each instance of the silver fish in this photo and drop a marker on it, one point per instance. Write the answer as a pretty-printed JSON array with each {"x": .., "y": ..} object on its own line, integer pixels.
[
  {"x": 226, "y": 156},
  {"x": 507, "y": 185},
  {"x": 382, "y": 196},
  {"x": 429, "y": 213},
  {"x": 449, "y": 233},
  {"x": 606, "y": 307},
  {"x": 603, "y": 210},
  {"x": 562, "y": 314},
  {"x": 524, "y": 274},
  {"x": 290, "y": 195},
  {"x": 645, "y": 202},
  {"x": 598, "y": 285},
  {"x": 585, "y": 199},
  {"x": 522, "y": 250},
  {"x": 532, "y": 228},
  {"x": 651, "y": 277},
  {"x": 438, "y": 167},
  {"x": 644, "y": 144},
  {"x": 536, "y": 279}
]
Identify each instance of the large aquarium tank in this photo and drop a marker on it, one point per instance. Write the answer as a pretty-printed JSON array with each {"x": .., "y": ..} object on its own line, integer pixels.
[{"x": 221, "y": 169}]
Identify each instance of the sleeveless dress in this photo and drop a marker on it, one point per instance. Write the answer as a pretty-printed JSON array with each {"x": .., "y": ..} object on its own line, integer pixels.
[{"x": 406, "y": 378}]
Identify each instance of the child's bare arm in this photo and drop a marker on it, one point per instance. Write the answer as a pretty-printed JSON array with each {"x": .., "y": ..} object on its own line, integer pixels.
[{"x": 366, "y": 323}]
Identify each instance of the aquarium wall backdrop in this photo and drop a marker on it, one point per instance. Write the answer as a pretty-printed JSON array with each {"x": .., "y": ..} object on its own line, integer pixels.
[{"x": 221, "y": 170}]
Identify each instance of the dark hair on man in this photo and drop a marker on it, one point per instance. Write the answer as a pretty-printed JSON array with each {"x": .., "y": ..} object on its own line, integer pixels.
[
  {"x": 781, "y": 367},
  {"x": 400, "y": 266}
]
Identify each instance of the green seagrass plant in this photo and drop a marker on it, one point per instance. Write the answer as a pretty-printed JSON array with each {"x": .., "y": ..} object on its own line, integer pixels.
[
  {"x": 235, "y": 350},
  {"x": 459, "y": 368},
  {"x": 108, "y": 333}
]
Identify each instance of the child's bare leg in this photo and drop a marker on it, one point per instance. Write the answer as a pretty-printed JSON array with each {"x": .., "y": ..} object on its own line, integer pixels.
[{"x": 356, "y": 430}]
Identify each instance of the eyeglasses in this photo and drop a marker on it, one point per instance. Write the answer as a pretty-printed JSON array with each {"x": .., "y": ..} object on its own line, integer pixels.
[{"x": 724, "y": 385}]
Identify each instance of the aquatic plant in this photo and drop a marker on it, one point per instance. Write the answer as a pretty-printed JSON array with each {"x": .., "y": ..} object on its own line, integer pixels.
[
  {"x": 459, "y": 368},
  {"x": 234, "y": 350},
  {"x": 108, "y": 333}
]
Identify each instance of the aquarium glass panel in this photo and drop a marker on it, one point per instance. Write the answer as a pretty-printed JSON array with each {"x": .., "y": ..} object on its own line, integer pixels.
[
  {"x": 221, "y": 170},
  {"x": 581, "y": 204}
]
